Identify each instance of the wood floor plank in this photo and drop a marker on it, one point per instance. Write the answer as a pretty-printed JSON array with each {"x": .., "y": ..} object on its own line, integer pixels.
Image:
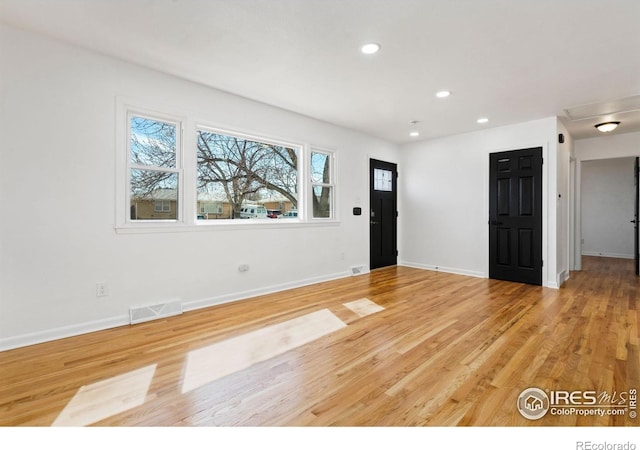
[{"x": 425, "y": 349}]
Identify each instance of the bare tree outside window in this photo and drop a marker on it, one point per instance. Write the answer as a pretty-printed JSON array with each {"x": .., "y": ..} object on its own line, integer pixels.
[
  {"x": 153, "y": 142},
  {"x": 241, "y": 171}
]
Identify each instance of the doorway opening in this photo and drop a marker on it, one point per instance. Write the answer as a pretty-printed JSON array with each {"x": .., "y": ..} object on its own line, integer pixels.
[{"x": 608, "y": 209}]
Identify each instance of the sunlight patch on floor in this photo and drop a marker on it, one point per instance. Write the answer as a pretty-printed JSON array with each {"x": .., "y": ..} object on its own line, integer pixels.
[
  {"x": 223, "y": 358},
  {"x": 363, "y": 307},
  {"x": 107, "y": 398}
]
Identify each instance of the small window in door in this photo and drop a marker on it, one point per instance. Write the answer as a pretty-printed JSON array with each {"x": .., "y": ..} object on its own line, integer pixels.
[{"x": 382, "y": 180}]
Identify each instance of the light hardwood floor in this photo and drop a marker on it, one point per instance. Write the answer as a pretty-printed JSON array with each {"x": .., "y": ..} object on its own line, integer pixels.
[{"x": 417, "y": 348}]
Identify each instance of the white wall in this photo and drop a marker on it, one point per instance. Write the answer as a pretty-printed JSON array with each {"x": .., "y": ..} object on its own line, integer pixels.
[
  {"x": 608, "y": 146},
  {"x": 444, "y": 184},
  {"x": 57, "y": 191},
  {"x": 607, "y": 207}
]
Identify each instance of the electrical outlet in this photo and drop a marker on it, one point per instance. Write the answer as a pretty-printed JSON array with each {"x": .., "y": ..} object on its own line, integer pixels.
[{"x": 101, "y": 290}]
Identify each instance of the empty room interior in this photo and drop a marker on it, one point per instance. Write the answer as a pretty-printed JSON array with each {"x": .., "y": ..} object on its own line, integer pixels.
[{"x": 313, "y": 213}]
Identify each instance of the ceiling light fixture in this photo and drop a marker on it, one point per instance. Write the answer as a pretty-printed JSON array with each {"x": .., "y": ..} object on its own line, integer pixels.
[
  {"x": 607, "y": 126},
  {"x": 482, "y": 120},
  {"x": 370, "y": 48},
  {"x": 414, "y": 134},
  {"x": 443, "y": 94}
]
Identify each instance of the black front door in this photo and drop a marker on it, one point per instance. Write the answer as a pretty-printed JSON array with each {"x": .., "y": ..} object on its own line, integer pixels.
[
  {"x": 383, "y": 214},
  {"x": 515, "y": 216}
]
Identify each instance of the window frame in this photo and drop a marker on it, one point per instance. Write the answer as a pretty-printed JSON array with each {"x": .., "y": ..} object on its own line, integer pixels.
[
  {"x": 302, "y": 157},
  {"x": 385, "y": 188},
  {"x": 176, "y": 121},
  {"x": 331, "y": 184},
  {"x": 186, "y": 168}
]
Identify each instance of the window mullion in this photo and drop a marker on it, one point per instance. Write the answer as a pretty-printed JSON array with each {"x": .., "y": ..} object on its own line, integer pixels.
[
  {"x": 189, "y": 172},
  {"x": 154, "y": 168}
]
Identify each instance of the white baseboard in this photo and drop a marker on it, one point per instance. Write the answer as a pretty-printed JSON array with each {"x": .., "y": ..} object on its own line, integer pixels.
[
  {"x": 53, "y": 334},
  {"x": 563, "y": 277},
  {"x": 558, "y": 282},
  {"x": 455, "y": 271},
  {"x": 38, "y": 337},
  {"x": 608, "y": 255},
  {"x": 219, "y": 300},
  {"x": 470, "y": 273}
]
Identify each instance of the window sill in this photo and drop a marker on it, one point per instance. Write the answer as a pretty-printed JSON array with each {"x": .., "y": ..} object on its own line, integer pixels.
[{"x": 239, "y": 224}]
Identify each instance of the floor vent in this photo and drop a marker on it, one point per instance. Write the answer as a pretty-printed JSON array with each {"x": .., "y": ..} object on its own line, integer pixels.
[
  {"x": 151, "y": 312},
  {"x": 358, "y": 270}
]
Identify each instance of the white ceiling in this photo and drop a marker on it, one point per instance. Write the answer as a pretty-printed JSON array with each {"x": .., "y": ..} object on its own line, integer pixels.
[{"x": 508, "y": 60}]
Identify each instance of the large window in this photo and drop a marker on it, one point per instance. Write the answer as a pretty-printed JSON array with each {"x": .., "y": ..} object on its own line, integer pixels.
[
  {"x": 175, "y": 172},
  {"x": 245, "y": 178},
  {"x": 153, "y": 168}
]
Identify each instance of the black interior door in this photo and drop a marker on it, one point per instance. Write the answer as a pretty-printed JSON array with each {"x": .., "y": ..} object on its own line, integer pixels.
[
  {"x": 636, "y": 238},
  {"x": 515, "y": 216},
  {"x": 383, "y": 214}
]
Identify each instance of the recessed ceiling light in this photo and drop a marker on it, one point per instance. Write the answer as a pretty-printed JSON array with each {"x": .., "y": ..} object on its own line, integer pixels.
[
  {"x": 443, "y": 94},
  {"x": 607, "y": 126},
  {"x": 414, "y": 134},
  {"x": 482, "y": 120},
  {"x": 370, "y": 48}
]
